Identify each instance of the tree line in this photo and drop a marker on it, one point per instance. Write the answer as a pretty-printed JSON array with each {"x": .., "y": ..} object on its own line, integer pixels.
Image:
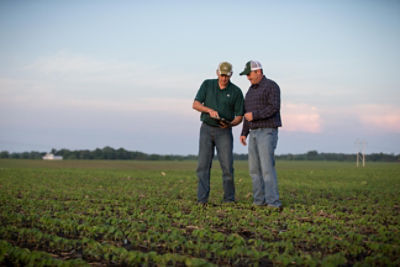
[
  {"x": 314, "y": 155},
  {"x": 106, "y": 153},
  {"x": 109, "y": 153}
]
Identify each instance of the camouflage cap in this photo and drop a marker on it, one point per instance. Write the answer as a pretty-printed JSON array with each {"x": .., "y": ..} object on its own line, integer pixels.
[{"x": 225, "y": 68}]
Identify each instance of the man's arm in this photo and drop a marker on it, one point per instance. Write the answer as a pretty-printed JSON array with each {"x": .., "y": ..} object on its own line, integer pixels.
[
  {"x": 201, "y": 108},
  {"x": 245, "y": 128},
  {"x": 236, "y": 121}
]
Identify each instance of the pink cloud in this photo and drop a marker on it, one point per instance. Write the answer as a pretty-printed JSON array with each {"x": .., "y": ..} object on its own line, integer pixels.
[
  {"x": 301, "y": 118},
  {"x": 383, "y": 117}
]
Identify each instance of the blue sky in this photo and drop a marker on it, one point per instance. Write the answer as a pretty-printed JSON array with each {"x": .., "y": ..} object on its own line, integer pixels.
[{"x": 88, "y": 74}]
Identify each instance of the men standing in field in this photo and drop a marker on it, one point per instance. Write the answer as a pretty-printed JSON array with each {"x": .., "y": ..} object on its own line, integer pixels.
[
  {"x": 221, "y": 105},
  {"x": 262, "y": 119}
]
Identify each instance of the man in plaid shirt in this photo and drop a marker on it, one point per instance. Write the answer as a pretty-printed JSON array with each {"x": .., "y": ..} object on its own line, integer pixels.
[{"x": 262, "y": 119}]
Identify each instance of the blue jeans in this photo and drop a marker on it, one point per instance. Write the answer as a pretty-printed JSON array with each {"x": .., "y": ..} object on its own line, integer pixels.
[
  {"x": 262, "y": 144},
  {"x": 222, "y": 139}
]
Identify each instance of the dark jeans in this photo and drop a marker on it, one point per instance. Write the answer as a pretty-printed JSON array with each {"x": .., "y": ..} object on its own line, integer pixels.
[{"x": 222, "y": 139}]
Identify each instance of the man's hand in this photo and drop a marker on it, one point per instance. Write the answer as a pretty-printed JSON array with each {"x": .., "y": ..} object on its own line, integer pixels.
[
  {"x": 243, "y": 140},
  {"x": 248, "y": 116},
  {"x": 201, "y": 108},
  {"x": 213, "y": 114},
  {"x": 224, "y": 124}
]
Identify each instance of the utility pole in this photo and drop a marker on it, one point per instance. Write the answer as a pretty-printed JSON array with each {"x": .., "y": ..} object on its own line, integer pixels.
[{"x": 361, "y": 145}]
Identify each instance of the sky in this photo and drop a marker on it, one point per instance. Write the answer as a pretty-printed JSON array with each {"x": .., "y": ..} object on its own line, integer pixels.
[{"x": 89, "y": 74}]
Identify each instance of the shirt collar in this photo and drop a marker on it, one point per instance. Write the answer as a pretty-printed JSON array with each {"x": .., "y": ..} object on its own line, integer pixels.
[{"x": 227, "y": 86}]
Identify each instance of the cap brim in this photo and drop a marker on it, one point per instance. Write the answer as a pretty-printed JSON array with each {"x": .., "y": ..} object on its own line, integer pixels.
[
  {"x": 245, "y": 72},
  {"x": 225, "y": 73}
]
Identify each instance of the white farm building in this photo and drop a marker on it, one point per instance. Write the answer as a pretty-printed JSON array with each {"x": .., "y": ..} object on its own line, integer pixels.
[{"x": 50, "y": 156}]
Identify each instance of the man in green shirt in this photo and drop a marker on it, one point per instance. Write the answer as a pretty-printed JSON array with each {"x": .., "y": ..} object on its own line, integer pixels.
[{"x": 221, "y": 105}]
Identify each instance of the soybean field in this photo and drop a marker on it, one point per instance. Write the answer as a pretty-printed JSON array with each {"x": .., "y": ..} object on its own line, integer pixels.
[{"x": 144, "y": 213}]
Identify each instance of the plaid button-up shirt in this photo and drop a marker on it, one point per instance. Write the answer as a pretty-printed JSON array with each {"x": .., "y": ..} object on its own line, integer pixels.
[{"x": 264, "y": 101}]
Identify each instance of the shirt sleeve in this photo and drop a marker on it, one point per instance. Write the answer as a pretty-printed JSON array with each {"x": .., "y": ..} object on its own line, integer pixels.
[
  {"x": 273, "y": 104},
  {"x": 201, "y": 94},
  {"x": 245, "y": 128}
]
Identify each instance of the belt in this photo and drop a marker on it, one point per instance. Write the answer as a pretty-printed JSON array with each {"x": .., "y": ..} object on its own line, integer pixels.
[
  {"x": 210, "y": 125},
  {"x": 256, "y": 128}
]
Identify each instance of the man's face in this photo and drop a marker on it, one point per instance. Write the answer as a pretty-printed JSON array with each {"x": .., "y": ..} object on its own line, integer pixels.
[
  {"x": 223, "y": 80},
  {"x": 254, "y": 76}
]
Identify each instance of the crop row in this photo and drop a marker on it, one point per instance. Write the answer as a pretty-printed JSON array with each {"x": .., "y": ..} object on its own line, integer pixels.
[
  {"x": 87, "y": 249},
  {"x": 16, "y": 256}
]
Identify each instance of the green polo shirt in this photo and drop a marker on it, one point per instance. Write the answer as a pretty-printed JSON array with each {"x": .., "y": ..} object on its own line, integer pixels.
[{"x": 227, "y": 102}]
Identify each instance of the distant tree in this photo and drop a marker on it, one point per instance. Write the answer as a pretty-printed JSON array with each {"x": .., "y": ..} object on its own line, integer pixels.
[
  {"x": 4, "y": 155},
  {"x": 98, "y": 154},
  {"x": 85, "y": 154},
  {"x": 122, "y": 154},
  {"x": 154, "y": 157},
  {"x": 240, "y": 156},
  {"x": 312, "y": 155},
  {"x": 16, "y": 155},
  {"x": 108, "y": 153}
]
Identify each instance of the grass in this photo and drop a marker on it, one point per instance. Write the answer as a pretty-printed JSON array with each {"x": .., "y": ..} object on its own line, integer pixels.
[{"x": 142, "y": 212}]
